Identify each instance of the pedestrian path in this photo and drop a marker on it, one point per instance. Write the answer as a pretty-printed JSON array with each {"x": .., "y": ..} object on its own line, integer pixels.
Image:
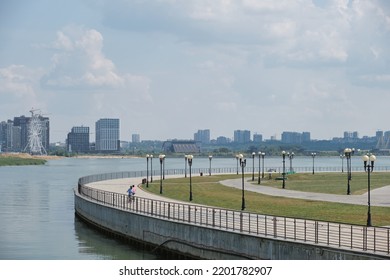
[{"x": 379, "y": 196}]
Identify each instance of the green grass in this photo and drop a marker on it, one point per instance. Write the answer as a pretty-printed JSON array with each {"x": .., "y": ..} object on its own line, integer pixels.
[
  {"x": 10, "y": 161},
  {"x": 332, "y": 182},
  {"x": 208, "y": 191}
]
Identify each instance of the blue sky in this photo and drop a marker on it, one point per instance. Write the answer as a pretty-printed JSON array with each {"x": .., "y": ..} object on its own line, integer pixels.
[{"x": 167, "y": 68}]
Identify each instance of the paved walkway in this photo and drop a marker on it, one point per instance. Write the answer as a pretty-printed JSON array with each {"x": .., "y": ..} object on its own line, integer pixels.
[{"x": 379, "y": 196}]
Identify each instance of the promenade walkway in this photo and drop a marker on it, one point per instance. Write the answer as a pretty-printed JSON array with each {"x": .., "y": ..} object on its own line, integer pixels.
[
  {"x": 379, "y": 196},
  {"x": 336, "y": 235}
]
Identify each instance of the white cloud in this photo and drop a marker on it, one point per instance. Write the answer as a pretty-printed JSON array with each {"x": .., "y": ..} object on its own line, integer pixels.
[
  {"x": 18, "y": 88},
  {"x": 80, "y": 63}
]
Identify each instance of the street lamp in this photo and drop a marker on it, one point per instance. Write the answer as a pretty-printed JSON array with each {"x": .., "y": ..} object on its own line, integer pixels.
[
  {"x": 189, "y": 158},
  {"x": 185, "y": 166},
  {"x": 163, "y": 167},
  {"x": 147, "y": 171},
  {"x": 284, "y": 169},
  {"x": 291, "y": 156},
  {"x": 313, "y": 155},
  {"x": 151, "y": 168},
  {"x": 348, "y": 154},
  {"x": 369, "y": 167},
  {"x": 253, "y": 166},
  {"x": 342, "y": 156},
  {"x": 262, "y": 159},
  {"x": 258, "y": 179},
  {"x": 210, "y": 158},
  {"x": 237, "y": 159},
  {"x": 161, "y": 157},
  {"x": 242, "y": 164}
]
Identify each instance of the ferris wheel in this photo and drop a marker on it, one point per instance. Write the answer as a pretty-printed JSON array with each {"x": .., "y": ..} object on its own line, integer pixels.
[{"x": 35, "y": 134}]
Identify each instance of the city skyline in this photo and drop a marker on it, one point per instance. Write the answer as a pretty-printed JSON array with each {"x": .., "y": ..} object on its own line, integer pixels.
[
  {"x": 167, "y": 68},
  {"x": 201, "y": 135}
]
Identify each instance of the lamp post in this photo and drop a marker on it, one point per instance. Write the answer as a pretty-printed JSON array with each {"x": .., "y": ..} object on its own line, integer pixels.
[
  {"x": 189, "y": 158},
  {"x": 185, "y": 166},
  {"x": 253, "y": 166},
  {"x": 258, "y": 179},
  {"x": 342, "y": 156},
  {"x": 313, "y": 155},
  {"x": 147, "y": 171},
  {"x": 163, "y": 167},
  {"x": 369, "y": 167},
  {"x": 262, "y": 159},
  {"x": 284, "y": 169},
  {"x": 161, "y": 157},
  {"x": 348, "y": 154},
  {"x": 291, "y": 156},
  {"x": 237, "y": 159},
  {"x": 210, "y": 158},
  {"x": 242, "y": 164},
  {"x": 151, "y": 168}
]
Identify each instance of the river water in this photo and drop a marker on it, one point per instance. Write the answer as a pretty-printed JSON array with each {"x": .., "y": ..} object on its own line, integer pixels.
[{"x": 37, "y": 205}]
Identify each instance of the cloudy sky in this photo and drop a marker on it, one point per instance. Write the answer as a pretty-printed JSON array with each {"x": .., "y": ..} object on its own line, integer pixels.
[{"x": 167, "y": 68}]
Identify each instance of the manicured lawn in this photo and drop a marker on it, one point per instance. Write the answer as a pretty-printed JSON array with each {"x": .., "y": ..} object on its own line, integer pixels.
[
  {"x": 332, "y": 182},
  {"x": 206, "y": 190}
]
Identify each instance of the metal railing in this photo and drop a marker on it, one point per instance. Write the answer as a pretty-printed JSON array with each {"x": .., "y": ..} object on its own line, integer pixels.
[{"x": 345, "y": 236}]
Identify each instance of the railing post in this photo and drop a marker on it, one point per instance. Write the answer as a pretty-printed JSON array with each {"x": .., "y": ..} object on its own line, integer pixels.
[
  {"x": 241, "y": 222},
  {"x": 351, "y": 236},
  {"x": 339, "y": 235},
  {"x": 295, "y": 229},
  {"x": 365, "y": 239},
  {"x": 328, "y": 233},
  {"x": 275, "y": 227}
]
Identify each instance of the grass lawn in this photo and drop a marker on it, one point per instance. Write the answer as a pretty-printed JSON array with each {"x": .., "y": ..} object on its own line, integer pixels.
[
  {"x": 332, "y": 182},
  {"x": 8, "y": 160},
  {"x": 208, "y": 191}
]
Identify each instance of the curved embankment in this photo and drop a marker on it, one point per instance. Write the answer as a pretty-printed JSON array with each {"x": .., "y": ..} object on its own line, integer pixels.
[{"x": 211, "y": 233}]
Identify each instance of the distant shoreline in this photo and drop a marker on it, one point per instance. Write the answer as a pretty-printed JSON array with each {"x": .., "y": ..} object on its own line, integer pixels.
[
  {"x": 17, "y": 160},
  {"x": 53, "y": 157}
]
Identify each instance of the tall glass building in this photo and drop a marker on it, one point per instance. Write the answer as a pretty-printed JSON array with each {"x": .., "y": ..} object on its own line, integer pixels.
[
  {"x": 78, "y": 140},
  {"x": 107, "y": 135}
]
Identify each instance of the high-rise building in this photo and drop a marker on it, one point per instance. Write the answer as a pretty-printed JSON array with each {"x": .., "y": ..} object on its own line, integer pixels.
[
  {"x": 78, "y": 140},
  {"x": 242, "y": 136},
  {"x": 135, "y": 138},
  {"x": 257, "y": 138},
  {"x": 22, "y": 122},
  {"x": 306, "y": 137},
  {"x": 107, "y": 135},
  {"x": 202, "y": 136},
  {"x": 349, "y": 135}
]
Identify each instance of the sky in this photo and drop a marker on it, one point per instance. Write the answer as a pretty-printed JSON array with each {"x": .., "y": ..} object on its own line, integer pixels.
[{"x": 167, "y": 68}]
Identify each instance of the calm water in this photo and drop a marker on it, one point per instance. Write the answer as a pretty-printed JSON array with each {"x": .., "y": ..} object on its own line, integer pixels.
[{"x": 37, "y": 206}]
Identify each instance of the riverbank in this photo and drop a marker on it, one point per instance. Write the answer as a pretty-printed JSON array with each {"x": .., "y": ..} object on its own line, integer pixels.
[{"x": 17, "y": 159}]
